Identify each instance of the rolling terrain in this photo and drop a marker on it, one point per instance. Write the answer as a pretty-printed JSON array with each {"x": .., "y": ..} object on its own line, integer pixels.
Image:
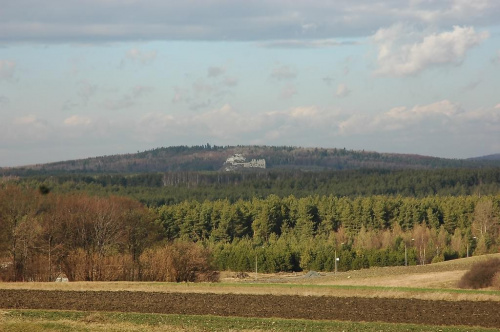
[{"x": 211, "y": 158}]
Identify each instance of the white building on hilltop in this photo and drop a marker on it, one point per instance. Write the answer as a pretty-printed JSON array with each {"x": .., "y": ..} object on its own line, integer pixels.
[
  {"x": 239, "y": 161},
  {"x": 235, "y": 159}
]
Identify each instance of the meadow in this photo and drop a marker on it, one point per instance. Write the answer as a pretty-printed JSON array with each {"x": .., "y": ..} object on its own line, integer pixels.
[{"x": 427, "y": 298}]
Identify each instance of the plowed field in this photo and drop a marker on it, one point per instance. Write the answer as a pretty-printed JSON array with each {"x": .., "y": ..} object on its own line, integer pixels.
[{"x": 470, "y": 313}]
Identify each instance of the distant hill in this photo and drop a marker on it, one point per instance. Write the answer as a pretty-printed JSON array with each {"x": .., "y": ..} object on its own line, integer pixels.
[
  {"x": 212, "y": 158},
  {"x": 488, "y": 157}
]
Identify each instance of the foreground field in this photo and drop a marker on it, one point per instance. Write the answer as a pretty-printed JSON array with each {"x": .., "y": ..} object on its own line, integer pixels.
[
  {"x": 399, "y": 297},
  {"x": 49, "y": 321},
  {"x": 469, "y": 313}
]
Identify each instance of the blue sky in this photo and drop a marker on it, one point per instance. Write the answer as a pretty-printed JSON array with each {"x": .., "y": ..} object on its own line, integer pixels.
[{"x": 99, "y": 77}]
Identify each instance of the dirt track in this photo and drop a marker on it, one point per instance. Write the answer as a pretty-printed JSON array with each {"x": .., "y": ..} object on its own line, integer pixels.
[{"x": 486, "y": 314}]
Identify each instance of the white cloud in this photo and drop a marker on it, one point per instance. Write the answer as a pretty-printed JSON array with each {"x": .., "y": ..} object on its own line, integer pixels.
[
  {"x": 7, "y": 69},
  {"x": 308, "y": 27},
  {"x": 284, "y": 73},
  {"x": 229, "y": 125},
  {"x": 28, "y": 119},
  {"x": 402, "y": 53},
  {"x": 304, "y": 112},
  {"x": 443, "y": 129},
  {"x": 77, "y": 121},
  {"x": 343, "y": 91},
  {"x": 419, "y": 116},
  {"x": 226, "y": 123},
  {"x": 408, "y": 129},
  {"x": 354, "y": 124},
  {"x": 440, "y": 117}
]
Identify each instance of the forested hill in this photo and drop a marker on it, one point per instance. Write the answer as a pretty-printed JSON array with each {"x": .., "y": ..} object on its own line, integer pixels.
[
  {"x": 488, "y": 157},
  {"x": 211, "y": 158}
]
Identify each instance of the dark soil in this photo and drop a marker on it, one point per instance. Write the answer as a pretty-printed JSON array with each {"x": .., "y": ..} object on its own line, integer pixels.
[{"x": 470, "y": 313}]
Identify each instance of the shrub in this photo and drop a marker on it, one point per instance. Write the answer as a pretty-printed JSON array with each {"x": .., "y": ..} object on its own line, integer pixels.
[
  {"x": 481, "y": 275},
  {"x": 495, "y": 283},
  {"x": 180, "y": 261}
]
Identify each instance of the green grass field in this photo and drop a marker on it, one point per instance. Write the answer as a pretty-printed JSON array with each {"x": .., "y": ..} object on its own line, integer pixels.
[{"x": 35, "y": 320}]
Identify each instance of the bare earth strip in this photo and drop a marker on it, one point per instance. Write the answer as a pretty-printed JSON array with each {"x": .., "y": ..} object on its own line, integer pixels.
[
  {"x": 467, "y": 313},
  {"x": 348, "y": 290}
]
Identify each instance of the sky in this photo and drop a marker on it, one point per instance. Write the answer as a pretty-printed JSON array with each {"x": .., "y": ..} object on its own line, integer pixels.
[{"x": 87, "y": 78}]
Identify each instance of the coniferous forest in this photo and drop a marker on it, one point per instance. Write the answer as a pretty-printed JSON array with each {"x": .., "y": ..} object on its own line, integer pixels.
[{"x": 184, "y": 225}]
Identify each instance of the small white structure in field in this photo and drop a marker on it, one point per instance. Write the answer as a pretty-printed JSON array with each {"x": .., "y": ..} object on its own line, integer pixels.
[{"x": 62, "y": 278}]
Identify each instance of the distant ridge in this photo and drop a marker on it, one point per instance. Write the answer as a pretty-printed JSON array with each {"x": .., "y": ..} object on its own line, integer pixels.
[
  {"x": 495, "y": 156},
  {"x": 212, "y": 158}
]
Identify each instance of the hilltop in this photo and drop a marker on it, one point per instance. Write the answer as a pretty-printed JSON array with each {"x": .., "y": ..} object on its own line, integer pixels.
[
  {"x": 495, "y": 156},
  {"x": 212, "y": 158}
]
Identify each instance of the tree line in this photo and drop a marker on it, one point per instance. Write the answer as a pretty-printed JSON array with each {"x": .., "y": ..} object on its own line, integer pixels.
[
  {"x": 105, "y": 237},
  {"x": 89, "y": 238},
  {"x": 156, "y": 189},
  {"x": 292, "y": 234}
]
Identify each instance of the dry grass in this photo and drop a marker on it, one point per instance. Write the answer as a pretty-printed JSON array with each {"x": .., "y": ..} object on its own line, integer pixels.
[
  {"x": 435, "y": 281},
  {"x": 439, "y": 275}
]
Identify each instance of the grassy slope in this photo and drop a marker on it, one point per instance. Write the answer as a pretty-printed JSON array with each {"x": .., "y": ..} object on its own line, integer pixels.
[{"x": 435, "y": 281}]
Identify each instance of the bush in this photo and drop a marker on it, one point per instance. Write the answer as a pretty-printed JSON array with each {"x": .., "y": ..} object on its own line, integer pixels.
[
  {"x": 481, "y": 275},
  {"x": 495, "y": 283},
  {"x": 177, "y": 262}
]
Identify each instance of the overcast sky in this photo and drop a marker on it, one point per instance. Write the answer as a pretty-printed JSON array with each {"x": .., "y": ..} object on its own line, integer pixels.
[{"x": 98, "y": 77}]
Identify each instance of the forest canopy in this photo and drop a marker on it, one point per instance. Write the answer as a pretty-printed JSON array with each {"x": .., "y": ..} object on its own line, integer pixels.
[
  {"x": 156, "y": 189},
  {"x": 106, "y": 237}
]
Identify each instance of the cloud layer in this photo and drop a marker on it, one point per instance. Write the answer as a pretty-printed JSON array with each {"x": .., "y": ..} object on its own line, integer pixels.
[
  {"x": 96, "y": 20},
  {"x": 297, "y": 125}
]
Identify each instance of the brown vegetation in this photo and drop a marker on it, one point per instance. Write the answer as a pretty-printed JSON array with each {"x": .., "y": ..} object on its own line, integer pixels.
[
  {"x": 88, "y": 238},
  {"x": 178, "y": 262},
  {"x": 481, "y": 275},
  {"x": 495, "y": 281}
]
